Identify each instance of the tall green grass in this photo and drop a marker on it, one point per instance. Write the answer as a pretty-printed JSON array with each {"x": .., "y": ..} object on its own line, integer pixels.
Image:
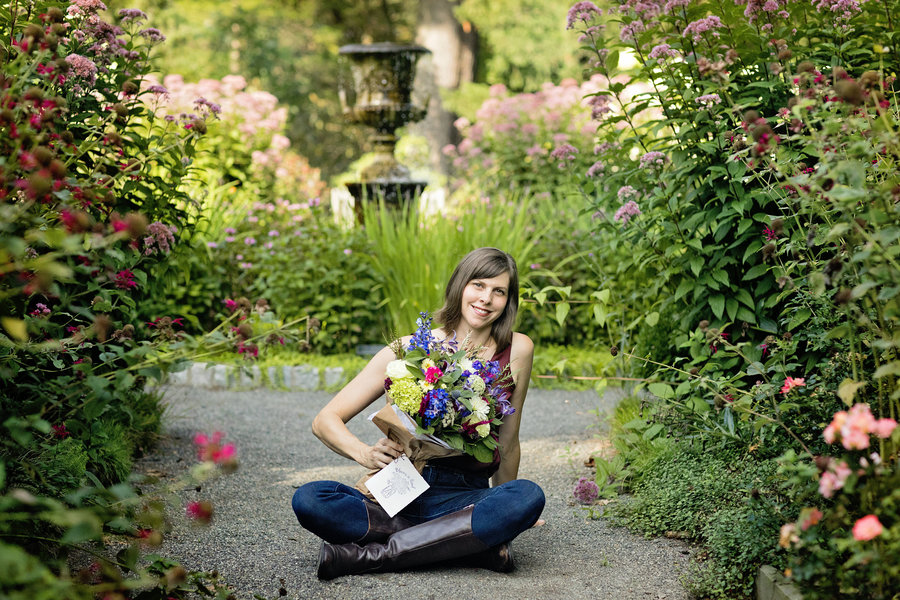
[{"x": 414, "y": 255}]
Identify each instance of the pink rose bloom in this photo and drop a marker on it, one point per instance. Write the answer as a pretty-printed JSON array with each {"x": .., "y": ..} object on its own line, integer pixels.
[
  {"x": 867, "y": 528},
  {"x": 859, "y": 424},
  {"x": 791, "y": 383},
  {"x": 827, "y": 484},
  {"x": 884, "y": 427},
  {"x": 835, "y": 426}
]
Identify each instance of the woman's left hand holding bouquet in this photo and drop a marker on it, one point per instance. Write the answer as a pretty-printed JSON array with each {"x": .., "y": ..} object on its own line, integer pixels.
[{"x": 330, "y": 424}]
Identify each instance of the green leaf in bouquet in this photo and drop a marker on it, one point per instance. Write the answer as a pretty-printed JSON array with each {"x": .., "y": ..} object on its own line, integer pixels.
[
  {"x": 490, "y": 442},
  {"x": 455, "y": 441},
  {"x": 482, "y": 454}
]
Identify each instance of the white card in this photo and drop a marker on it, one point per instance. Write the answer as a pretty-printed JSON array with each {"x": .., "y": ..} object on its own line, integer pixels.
[{"x": 396, "y": 485}]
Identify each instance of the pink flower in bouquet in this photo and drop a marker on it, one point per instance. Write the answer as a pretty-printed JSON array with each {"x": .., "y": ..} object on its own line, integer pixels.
[
  {"x": 867, "y": 528},
  {"x": 432, "y": 374},
  {"x": 791, "y": 383}
]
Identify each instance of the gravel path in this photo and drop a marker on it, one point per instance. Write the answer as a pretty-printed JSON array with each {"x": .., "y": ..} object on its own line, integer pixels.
[{"x": 255, "y": 540}]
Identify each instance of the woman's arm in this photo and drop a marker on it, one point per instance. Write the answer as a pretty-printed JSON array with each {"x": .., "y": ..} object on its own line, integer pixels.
[
  {"x": 330, "y": 424},
  {"x": 520, "y": 361}
]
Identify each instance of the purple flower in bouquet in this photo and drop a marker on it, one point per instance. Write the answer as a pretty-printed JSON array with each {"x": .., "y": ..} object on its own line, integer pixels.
[
  {"x": 434, "y": 405},
  {"x": 422, "y": 338}
]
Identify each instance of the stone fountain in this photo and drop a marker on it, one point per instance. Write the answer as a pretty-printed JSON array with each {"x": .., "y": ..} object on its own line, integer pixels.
[{"x": 378, "y": 94}]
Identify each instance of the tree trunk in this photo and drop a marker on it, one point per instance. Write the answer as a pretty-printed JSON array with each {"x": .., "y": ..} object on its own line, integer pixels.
[{"x": 453, "y": 48}]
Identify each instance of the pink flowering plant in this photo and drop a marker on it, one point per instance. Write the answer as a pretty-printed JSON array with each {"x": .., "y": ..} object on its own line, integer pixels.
[{"x": 763, "y": 238}]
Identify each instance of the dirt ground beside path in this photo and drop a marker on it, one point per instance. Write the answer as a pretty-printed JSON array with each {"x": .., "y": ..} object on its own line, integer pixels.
[{"x": 256, "y": 543}]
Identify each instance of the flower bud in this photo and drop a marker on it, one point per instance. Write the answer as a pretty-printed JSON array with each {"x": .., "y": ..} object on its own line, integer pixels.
[
  {"x": 245, "y": 330},
  {"x": 843, "y": 296},
  {"x": 614, "y": 350},
  {"x": 806, "y": 67},
  {"x": 43, "y": 155},
  {"x": 130, "y": 88},
  {"x": 34, "y": 93},
  {"x": 55, "y": 14},
  {"x": 57, "y": 168},
  {"x": 137, "y": 224},
  {"x": 703, "y": 325},
  {"x": 39, "y": 184},
  {"x": 694, "y": 371},
  {"x": 785, "y": 54},
  {"x": 778, "y": 226},
  {"x": 849, "y": 91},
  {"x": 121, "y": 111},
  {"x": 34, "y": 32}
]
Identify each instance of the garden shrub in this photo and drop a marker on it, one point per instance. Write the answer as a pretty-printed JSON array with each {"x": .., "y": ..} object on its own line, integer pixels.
[
  {"x": 92, "y": 202},
  {"x": 755, "y": 186}
]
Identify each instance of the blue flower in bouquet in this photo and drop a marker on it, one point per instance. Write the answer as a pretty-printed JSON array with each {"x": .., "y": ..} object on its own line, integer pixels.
[
  {"x": 422, "y": 339},
  {"x": 435, "y": 405}
]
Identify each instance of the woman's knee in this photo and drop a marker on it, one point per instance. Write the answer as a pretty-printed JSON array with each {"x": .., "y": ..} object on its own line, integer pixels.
[
  {"x": 530, "y": 499},
  {"x": 308, "y": 500}
]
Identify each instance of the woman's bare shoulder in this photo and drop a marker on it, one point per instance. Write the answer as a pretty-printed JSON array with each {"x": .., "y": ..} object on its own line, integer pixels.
[{"x": 522, "y": 346}]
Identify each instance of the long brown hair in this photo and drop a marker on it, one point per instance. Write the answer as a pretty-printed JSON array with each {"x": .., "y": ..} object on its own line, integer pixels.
[{"x": 482, "y": 263}]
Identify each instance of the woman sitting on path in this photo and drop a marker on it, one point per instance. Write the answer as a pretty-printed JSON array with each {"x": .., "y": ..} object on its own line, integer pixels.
[{"x": 461, "y": 514}]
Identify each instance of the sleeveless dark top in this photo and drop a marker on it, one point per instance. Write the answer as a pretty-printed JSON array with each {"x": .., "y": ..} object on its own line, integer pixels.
[{"x": 467, "y": 463}]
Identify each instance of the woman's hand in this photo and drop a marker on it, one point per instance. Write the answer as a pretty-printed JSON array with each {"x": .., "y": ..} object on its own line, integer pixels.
[{"x": 381, "y": 454}]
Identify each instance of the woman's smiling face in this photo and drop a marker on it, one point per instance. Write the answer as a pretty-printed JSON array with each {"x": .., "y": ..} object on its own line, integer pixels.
[{"x": 484, "y": 299}]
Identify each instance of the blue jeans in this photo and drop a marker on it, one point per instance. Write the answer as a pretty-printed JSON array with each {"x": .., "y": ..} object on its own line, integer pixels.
[{"x": 337, "y": 513}]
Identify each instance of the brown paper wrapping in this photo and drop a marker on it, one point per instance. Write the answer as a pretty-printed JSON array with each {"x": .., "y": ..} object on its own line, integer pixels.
[{"x": 418, "y": 451}]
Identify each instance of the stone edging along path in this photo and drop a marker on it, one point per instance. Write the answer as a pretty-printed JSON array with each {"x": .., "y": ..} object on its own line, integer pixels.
[{"x": 222, "y": 376}]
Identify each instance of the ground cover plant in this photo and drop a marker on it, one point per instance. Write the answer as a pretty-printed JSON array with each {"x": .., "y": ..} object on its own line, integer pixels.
[{"x": 753, "y": 185}]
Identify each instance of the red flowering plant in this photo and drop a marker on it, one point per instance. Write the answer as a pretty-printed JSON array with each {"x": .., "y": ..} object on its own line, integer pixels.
[{"x": 91, "y": 205}]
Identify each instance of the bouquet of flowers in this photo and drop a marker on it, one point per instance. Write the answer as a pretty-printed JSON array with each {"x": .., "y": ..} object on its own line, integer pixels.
[{"x": 448, "y": 392}]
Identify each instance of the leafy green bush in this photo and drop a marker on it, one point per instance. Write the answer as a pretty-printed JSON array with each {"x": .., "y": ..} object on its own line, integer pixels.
[{"x": 726, "y": 502}]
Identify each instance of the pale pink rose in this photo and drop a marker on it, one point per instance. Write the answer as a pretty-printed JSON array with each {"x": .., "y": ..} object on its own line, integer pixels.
[
  {"x": 884, "y": 427},
  {"x": 834, "y": 427},
  {"x": 809, "y": 517},
  {"x": 827, "y": 484},
  {"x": 867, "y": 528}
]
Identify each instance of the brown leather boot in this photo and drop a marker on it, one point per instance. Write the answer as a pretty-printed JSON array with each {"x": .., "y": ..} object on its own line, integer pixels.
[
  {"x": 440, "y": 540},
  {"x": 381, "y": 526},
  {"x": 497, "y": 558}
]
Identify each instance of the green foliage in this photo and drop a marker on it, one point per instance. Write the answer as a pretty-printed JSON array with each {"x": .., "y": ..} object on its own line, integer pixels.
[
  {"x": 63, "y": 464},
  {"x": 522, "y": 43},
  {"x": 414, "y": 254},
  {"x": 562, "y": 363},
  {"x": 725, "y": 501},
  {"x": 750, "y": 176}
]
